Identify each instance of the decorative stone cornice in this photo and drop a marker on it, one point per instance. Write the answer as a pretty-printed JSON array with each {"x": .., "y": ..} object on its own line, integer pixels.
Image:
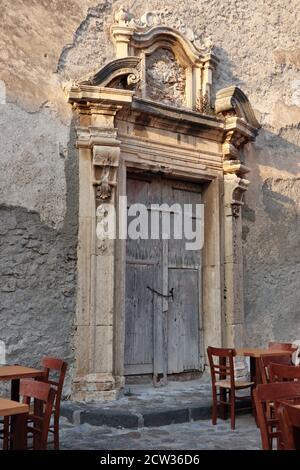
[{"x": 82, "y": 94}]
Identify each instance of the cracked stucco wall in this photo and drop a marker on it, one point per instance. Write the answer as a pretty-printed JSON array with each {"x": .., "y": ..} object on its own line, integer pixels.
[{"x": 43, "y": 46}]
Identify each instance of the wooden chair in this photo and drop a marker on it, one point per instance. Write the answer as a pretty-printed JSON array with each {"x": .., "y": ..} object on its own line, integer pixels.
[
  {"x": 222, "y": 376},
  {"x": 281, "y": 346},
  {"x": 37, "y": 424},
  {"x": 57, "y": 367},
  {"x": 283, "y": 373},
  {"x": 289, "y": 420},
  {"x": 263, "y": 395},
  {"x": 267, "y": 359}
]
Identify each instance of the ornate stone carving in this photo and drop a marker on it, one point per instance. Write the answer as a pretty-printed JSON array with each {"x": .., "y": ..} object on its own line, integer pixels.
[
  {"x": 166, "y": 17},
  {"x": 107, "y": 158},
  {"x": 165, "y": 78},
  {"x": 234, "y": 189},
  {"x": 203, "y": 104},
  {"x": 104, "y": 187}
]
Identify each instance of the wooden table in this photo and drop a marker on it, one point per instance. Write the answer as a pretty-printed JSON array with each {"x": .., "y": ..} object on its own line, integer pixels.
[
  {"x": 15, "y": 374},
  {"x": 255, "y": 354},
  {"x": 20, "y": 413}
]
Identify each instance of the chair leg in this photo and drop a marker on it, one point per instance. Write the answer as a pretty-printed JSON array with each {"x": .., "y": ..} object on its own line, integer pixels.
[
  {"x": 56, "y": 432},
  {"x": 5, "y": 433},
  {"x": 232, "y": 408},
  {"x": 214, "y": 406}
]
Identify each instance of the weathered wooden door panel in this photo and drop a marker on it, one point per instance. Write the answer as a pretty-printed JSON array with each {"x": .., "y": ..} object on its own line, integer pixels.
[
  {"x": 139, "y": 319},
  {"x": 184, "y": 275},
  {"x": 143, "y": 258},
  {"x": 162, "y": 335},
  {"x": 183, "y": 321}
]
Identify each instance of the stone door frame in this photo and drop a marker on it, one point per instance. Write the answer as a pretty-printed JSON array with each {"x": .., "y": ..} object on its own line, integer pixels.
[{"x": 118, "y": 128}]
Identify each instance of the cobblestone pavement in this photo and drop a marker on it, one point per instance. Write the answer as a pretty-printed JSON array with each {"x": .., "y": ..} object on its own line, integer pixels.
[{"x": 189, "y": 436}]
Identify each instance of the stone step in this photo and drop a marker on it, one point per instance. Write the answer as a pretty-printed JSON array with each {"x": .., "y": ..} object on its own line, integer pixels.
[{"x": 95, "y": 414}]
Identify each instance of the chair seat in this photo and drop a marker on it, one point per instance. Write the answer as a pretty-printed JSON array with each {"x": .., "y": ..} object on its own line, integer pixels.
[{"x": 238, "y": 384}]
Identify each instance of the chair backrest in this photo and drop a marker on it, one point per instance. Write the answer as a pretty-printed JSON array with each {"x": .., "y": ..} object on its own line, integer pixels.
[
  {"x": 267, "y": 359},
  {"x": 289, "y": 420},
  {"x": 224, "y": 368},
  {"x": 263, "y": 395},
  {"x": 282, "y": 373},
  {"x": 43, "y": 393},
  {"x": 56, "y": 366},
  {"x": 281, "y": 346}
]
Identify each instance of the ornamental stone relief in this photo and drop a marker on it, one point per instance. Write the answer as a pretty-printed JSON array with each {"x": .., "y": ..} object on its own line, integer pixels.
[
  {"x": 163, "y": 17},
  {"x": 165, "y": 78}
]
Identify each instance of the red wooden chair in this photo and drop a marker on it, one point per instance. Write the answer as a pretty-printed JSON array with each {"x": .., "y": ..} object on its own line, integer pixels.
[
  {"x": 289, "y": 419},
  {"x": 37, "y": 424},
  {"x": 222, "y": 376},
  {"x": 267, "y": 359},
  {"x": 263, "y": 395},
  {"x": 56, "y": 367},
  {"x": 283, "y": 373}
]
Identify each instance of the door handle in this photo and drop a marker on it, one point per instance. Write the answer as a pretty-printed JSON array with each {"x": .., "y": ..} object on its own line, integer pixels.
[{"x": 168, "y": 296}]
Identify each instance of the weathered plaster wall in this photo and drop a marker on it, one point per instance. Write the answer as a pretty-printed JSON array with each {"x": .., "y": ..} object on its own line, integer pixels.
[{"x": 44, "y": 45}]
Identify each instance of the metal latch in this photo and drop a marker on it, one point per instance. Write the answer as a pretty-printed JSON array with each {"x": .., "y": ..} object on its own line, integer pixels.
[{"x": 168, "y": 296}]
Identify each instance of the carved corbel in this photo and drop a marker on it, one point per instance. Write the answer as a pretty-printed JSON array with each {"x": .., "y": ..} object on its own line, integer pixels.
[
  {"x": 234, "y": 190},
  {"x": 232, "y": 144},
  {"x": 106, "y": 161}
]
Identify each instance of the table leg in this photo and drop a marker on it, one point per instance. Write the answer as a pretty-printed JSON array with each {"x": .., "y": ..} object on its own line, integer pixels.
[
  {"x": 14, "y": 395},
  {"x": 15, "y": 390},
  {"x": 19, "y": 433},
  {"x": 252, "y": 369}
]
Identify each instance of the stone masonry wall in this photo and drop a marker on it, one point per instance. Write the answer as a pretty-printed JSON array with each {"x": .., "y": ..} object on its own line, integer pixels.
[{"x": 43, "y": 46}]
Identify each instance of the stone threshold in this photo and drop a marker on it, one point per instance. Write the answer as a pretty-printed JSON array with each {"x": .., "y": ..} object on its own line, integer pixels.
[
  {"x": 96, "y": 416},
  {"x": 146, "y": 407}
]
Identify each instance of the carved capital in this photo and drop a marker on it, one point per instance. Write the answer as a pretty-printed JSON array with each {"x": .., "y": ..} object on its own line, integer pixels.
[{"x": 105, "y": 155}]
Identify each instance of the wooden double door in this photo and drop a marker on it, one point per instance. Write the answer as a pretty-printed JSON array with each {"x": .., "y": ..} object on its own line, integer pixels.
[{"x": 163, "y": 284}]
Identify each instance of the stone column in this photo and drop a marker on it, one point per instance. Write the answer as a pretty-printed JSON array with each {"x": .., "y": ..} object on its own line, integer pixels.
[
  {"x": 99, "y": 153},
  {"x": 234, "y": 188}
]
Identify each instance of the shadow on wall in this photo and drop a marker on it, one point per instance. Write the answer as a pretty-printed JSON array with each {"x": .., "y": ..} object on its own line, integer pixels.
[
  {"x": 38, "y": 279},
  {"x": 271, "y": 227}
]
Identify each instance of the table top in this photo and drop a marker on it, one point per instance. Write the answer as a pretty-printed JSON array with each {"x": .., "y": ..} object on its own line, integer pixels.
[
  {"x": 10, "y": 407},
  {"x": 257, "y": 352},
  {"x": 18, "y": 372}
]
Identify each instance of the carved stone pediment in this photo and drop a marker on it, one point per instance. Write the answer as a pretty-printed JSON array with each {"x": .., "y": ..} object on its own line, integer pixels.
[
  {"x": 176, "y": 64},
  {"x": 232, "y": 101}
]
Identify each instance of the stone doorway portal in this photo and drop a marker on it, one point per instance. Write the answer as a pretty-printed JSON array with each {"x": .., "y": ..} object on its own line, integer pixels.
[{"x": 151, "y": 110}]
